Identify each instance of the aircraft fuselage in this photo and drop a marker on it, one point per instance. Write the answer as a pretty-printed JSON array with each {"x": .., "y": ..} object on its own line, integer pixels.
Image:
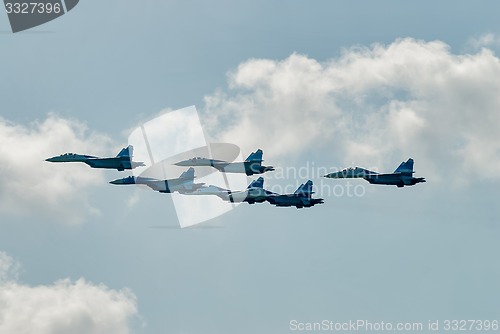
[
  {"x": 118, "y": 163},
  {"x": 294, "y": 200},
  {"x": 180, "y": 185},
  {"x": 112, "y": 163},
  {"x": 251, "y": 196},
  {"x": 394, "y": 180},
  {"x": 247, "y": 167}
]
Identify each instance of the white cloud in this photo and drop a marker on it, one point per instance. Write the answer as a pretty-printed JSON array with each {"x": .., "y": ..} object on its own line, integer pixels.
[
  {"x": 30, "y": 185},
  {"x": 9, "y": 268},
  {"x": 62, "y": 307},
  {"x": 485, "y": 40},
  {"x": 371, "y": 106}
]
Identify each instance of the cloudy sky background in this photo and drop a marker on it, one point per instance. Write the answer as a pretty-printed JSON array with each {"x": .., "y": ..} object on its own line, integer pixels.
[{"x": 323, "y": 85}]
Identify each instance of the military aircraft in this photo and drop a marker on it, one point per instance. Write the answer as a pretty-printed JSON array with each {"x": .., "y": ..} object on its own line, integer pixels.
[
  {"x": 402, "y": 176},
  {"x": 183, "y": 184},
  {"x": 251, "y": 165},
  {"x": 254, "y": 193},
  {"x": 301, "y": 198},
  {"x": 121, "y": 162}
]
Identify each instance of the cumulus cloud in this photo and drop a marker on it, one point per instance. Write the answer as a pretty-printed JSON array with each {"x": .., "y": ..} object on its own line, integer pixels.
[
  {"x": 370, "y": 106},
  {"x": 30, "y": 185},
  {"x": 62, "y": 307}
]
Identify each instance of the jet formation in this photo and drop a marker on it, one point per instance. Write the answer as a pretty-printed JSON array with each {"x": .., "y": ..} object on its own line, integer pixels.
[{"x": 254, "y": 193}]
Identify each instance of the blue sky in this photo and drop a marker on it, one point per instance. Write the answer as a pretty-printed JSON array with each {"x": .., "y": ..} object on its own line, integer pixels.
[{"x": 324, "y": 83}]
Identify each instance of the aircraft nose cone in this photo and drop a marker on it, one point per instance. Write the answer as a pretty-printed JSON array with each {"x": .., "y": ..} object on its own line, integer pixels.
[
  {"x": 127, "y": 180},
  {"x": 189, "y": 163},
  {"x": 50, "y": 159}
]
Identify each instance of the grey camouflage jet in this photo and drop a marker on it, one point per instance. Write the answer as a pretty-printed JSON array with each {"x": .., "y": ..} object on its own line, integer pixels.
[
  {"x": 251, "y": 165},
  {"x": 254, "y": 193},
  {"x": 183, "y": 184},
  {"x": 121, "y": 162},
  {"x": 301, "y": 198},
  {"x": 402, "y": 176}
]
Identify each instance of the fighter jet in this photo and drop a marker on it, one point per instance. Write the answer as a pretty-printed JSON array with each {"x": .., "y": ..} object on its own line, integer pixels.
[
  {"x": 301, "y": 198},
  {"x": 402, "y": 176},
  {"x": 254, "y": 193},
  {"x": 183, "y": 184},
  {"x": 121, "y": 162},
  {"x": 251, "y": 165}
]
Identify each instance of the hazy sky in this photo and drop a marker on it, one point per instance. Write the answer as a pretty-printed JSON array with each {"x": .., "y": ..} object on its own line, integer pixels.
[{"x": 316, "y": 84}]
